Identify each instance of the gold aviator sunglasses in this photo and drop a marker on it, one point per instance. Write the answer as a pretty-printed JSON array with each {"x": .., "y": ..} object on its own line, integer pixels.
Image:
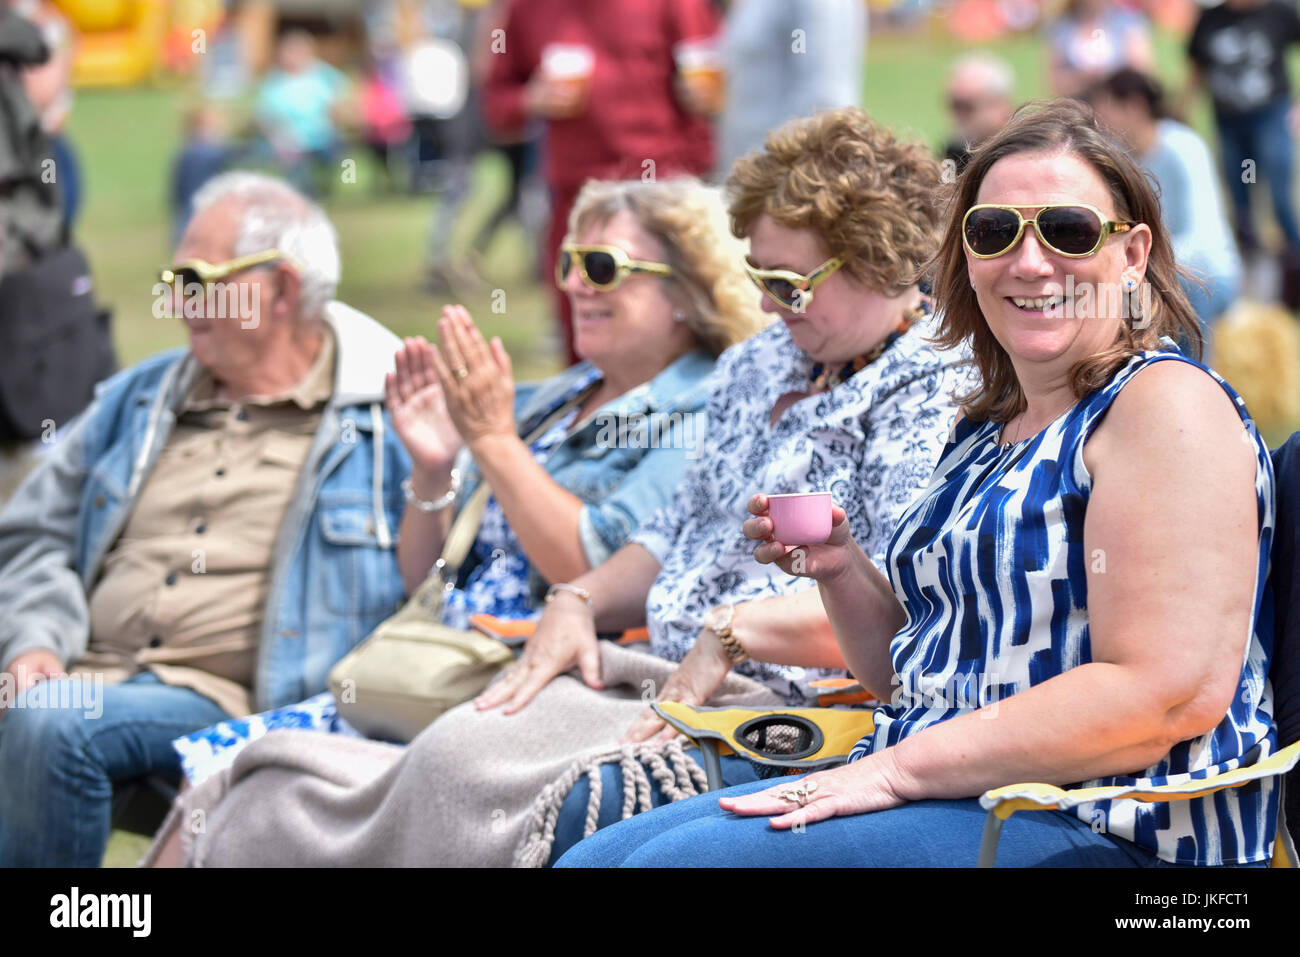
[
  {"x": 203, "y": 272},
  {"x": 1074, "y": 230},
  {"x": 602, "y": 267},
  {"x": 791, "y": 289}
]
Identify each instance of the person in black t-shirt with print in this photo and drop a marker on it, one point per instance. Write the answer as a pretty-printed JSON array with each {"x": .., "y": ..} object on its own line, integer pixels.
[{"x": 1238, "y": 52}]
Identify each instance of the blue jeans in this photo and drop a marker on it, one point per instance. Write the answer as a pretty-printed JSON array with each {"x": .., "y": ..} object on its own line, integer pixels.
[
  {"x": 697, "y": 833},
  {"x": 572, "y": 820},
  {"x": 1262, "y": 136},
  {"x": 58, "y": 765}
]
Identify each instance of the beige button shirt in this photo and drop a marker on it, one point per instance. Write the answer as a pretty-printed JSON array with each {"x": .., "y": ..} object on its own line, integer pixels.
[{"x": 184, "y": 587}]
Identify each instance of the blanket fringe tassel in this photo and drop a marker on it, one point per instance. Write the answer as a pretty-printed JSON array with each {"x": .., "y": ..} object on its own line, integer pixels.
[{"x": 677, "y": 775}]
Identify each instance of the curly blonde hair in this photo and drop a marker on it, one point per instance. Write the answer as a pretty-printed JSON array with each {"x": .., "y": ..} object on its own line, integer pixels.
[
  {"x": 689, "y": 220},
  {"x": 876, "y": 202}
]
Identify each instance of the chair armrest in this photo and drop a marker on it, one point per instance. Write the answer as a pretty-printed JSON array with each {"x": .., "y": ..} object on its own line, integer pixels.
[
  {"x": 1002, "y": 802},
  {"x": 1005, "y": 801}
]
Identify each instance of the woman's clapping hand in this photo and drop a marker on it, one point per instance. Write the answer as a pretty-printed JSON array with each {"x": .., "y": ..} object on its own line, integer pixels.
[
  {"x": 476, "y": 378},
  {"x": 416, "y": 403}
]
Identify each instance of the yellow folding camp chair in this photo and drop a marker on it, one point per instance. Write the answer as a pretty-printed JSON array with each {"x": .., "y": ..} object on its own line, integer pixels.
[
  {"x": 1002, "y": 802},
  {"x": 796, "y": 739}
]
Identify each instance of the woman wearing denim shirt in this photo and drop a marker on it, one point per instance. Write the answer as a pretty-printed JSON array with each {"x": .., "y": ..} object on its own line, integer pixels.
[
  {"x": 657, "y": 293},
  {"x": 674, "y": 297}
]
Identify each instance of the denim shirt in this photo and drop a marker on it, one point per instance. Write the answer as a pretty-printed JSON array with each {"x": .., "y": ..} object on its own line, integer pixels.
[
  {"x": 334, "y": 574},
  {"x": 624, "y": 461}
]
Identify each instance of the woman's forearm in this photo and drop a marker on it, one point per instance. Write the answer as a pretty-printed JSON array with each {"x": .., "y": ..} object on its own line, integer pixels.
[
  {"x": 1096, "y": 720},
  {"x": 788, "y": 630},
  {"x": 865, "y": 616},
  {"x": 421, "y": 535},
  {"x": 619, "y": 586},
  {"x": 541, "y": 514}
]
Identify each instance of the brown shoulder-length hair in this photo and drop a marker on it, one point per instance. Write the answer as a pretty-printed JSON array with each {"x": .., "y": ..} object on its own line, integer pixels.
[{"x": 1066, "y": 126}]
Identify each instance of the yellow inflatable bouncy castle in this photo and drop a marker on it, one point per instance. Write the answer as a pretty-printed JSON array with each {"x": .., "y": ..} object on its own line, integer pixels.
[{"x": 125, "y": 42}]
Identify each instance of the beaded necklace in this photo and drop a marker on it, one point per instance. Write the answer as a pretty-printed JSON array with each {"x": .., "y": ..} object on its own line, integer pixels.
[{"x": 826, "y": 378}]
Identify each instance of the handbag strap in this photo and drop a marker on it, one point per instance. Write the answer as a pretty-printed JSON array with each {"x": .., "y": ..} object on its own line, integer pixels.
[{"x": 464, "y": 528}]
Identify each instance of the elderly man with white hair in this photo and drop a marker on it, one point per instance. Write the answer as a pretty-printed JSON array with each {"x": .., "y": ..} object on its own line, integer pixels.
[
  {"x": 209, "y": 536},
  {"x": 980, "y": 102}
]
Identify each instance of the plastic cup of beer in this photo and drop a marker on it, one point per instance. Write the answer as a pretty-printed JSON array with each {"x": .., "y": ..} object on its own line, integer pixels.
[
  {"x": 570, "y": 65},
  {"x": 699, "y": 63}
]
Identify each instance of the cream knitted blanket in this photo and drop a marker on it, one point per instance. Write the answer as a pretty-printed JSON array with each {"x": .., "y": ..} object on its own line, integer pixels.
[{"x": 473, "y": 789}]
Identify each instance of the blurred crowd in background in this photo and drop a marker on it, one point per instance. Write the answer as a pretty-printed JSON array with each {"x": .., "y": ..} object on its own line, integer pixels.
[{"x": 429, "y": 85}]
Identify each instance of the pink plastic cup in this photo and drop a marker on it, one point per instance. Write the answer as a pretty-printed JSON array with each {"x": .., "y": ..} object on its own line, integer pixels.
[{"x": 801, "y": 518}]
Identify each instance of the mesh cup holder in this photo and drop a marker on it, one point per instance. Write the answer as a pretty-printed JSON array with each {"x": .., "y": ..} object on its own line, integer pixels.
[{"x": 780, "y": 736}]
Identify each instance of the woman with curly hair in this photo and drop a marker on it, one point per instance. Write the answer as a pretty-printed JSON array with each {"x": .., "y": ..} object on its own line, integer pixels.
[{"x": 844, "y": 394}]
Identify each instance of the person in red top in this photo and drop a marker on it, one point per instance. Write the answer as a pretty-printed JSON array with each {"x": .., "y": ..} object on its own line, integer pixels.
[{"x": 602, "y": 74}]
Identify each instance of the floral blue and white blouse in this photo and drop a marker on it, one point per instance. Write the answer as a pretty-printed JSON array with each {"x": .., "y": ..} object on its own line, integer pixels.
[
  {"x": 872, "y": 442},
  {"x": 623, "y": 462}
]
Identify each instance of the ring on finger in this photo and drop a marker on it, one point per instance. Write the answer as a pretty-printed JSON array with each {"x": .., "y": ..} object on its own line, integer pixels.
[
  {"x": 798, "y": 794},
  {"x": 462, "y": 373}
]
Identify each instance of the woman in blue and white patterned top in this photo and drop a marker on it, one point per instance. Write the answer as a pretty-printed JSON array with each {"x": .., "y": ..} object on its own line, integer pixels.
[{"x": 1076, "y": 598}]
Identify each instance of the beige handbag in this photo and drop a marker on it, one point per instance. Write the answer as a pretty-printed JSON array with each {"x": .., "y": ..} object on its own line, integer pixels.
[{"x": 412, "y": 667}]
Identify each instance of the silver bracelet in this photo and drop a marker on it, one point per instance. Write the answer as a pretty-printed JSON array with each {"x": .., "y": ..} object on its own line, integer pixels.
[
  {"x": 437, "y": 505},
  {"x": 571, "y": 589}
]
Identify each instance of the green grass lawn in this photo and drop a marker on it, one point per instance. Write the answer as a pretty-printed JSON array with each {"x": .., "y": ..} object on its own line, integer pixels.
[
  {"x": 125, "y": 849},
  {"x": 906, "y": 76}
]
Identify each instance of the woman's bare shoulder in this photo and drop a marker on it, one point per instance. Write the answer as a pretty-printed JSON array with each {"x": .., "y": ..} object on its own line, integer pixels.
[{"x": 1171, "y": 408}]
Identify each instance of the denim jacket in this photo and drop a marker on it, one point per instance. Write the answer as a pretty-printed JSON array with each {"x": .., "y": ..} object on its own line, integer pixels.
[
  {"x": 624, "y": 461},
  {"x": 334, "y": 574}
]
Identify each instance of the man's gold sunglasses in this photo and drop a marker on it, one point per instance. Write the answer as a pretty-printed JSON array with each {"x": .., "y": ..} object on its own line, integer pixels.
[
  {"x": 203, "y": 272},
  {"x": 602, "y": 267},
  {"x": 1075, "y": 230},
  {"x": 791, "y": 289}
]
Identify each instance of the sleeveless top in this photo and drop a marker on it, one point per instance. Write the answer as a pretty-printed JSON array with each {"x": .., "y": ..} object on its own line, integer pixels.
[{"x": 991, "y": 570}]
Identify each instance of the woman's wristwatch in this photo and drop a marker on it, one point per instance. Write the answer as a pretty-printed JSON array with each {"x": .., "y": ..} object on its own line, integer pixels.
[
  {"x": 438, "y": 504},
  {"x": 719, "y": 622}
]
